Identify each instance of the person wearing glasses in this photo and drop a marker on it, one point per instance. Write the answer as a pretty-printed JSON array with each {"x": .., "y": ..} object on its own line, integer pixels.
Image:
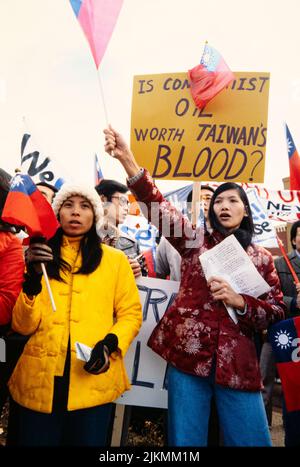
[
  {"x": 60, "y": 399},
  {"x": 114, "y": 195}
]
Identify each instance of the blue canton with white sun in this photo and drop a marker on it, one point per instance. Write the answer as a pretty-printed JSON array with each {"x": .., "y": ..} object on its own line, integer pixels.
[{"x": 281, "y": 336}]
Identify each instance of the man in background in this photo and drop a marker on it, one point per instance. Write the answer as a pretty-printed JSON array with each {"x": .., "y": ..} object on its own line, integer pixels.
[
  {"x": 291, "y": 298},
  {"x": 114, "y": 196}
]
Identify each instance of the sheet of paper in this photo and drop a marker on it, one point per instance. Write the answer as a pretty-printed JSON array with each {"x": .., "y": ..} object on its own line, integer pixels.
[
  {"x": 83, "y": 352},
  {"x": 229, "y": 261}
]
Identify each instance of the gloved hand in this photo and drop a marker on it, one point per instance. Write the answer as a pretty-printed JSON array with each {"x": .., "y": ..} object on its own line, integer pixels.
[
  {"x": 99, "y": 359},
  {"x": 36, "y": 253}
]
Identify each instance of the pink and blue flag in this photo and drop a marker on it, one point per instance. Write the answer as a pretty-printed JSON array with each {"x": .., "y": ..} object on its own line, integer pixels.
[
  {"x": 98, "y": 171},
  {"x": 26, "y": 206},
  {"x": 285, "y": 338},
  {"x": 97, "y": 19},
  {"x": 210, "y": 77},
  {"x": 294, "y": 161}
]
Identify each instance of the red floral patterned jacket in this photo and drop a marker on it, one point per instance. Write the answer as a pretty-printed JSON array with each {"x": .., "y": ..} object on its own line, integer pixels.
[{"x": 197, "y": 330}]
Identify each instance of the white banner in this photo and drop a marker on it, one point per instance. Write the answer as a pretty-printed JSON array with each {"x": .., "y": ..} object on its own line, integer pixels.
[
  {"x": 139, "y": 228},
  {"x": 265, "y": 234},
  {"x": 39, "y": 167},
  {"x": 146, "y": 369},
  {"x": 282, "y": 205}
]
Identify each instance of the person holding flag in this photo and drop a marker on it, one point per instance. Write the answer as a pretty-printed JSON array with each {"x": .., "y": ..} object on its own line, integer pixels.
[
  {"x": 114, "y": 196},
  {"x": 60, "y": 399},
  {"x": 209, "y": 353},
  {"x": 11, "y": 278}
]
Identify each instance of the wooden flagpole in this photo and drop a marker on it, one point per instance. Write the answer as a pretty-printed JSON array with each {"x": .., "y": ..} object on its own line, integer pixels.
[
  {"x": 48, "y": 287},
  {"x": 196, "y": 202}
]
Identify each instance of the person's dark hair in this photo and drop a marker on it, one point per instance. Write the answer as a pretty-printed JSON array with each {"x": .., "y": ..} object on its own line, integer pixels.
[
  {"x": 91, "y": 252},
  {"x": 294, "y": 232},
  {"x": 203, "y": 187},
  {"x": 108, "y": 188},
  {"x": 52, "y": 187},
  {"x": 245, "y": 232}
]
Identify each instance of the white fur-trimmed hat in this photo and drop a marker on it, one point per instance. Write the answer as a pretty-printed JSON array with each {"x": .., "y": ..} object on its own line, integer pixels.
[{"x": 68, "y": 190}]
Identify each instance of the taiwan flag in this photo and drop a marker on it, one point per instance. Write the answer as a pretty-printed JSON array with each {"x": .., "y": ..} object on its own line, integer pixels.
[
  {"x": 26, "y": 206},
  {"x": 285, "y": 339},
  {"x": 97, "y": 19},
  {"x": 210, "y": 77},
  {"x": 98, "y": 171},
  {"x": 294, "y": 161}
]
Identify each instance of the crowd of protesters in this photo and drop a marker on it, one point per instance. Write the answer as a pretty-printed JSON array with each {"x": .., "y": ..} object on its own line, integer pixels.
[{"x": 214, "y": 382}]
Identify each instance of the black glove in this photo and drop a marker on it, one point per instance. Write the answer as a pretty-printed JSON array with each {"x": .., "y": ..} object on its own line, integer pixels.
[
  {"x": 99, "y": 359},
  {"x": 32, "y": 282},
  {"x": 32, "y": 279}
]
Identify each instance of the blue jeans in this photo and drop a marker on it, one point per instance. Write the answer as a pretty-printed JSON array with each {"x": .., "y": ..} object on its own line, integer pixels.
[{"x": 242, "y": 414}]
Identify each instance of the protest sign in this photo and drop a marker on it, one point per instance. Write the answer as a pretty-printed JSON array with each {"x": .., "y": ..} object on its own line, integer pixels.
[
  {"x": 146, "y": 370},
  {"x": 225, "y": 141},
  {"x": 139, "y": 228},
  {"x": 264, "y": 231}
]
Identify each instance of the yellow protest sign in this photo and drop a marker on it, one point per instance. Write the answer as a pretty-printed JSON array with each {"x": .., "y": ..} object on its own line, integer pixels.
[{"x": 226, "y": 141}]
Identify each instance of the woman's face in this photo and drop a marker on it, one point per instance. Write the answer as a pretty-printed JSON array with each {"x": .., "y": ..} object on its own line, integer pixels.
[
  {"x": 229, "y": 209},
  {"x": 76, "y": 216}
]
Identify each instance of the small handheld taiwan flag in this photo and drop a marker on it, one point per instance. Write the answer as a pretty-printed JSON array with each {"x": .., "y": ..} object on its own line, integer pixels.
[
  {"x": 98, "y": 171},
  {"x": 209, "y": 77},
  {"x": 294, "y": 161},
  {"x": 26, "y": 206},
  {"x": 284, "y": 337}
]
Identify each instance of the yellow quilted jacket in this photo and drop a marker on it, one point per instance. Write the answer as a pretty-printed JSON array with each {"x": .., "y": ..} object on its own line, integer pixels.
[{"x": 88, "y": 307}]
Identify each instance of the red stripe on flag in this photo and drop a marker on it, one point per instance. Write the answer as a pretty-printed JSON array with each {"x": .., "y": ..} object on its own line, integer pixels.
[
  {"x": 34, "y": 212},
  {"x": 289, "y": 373}
]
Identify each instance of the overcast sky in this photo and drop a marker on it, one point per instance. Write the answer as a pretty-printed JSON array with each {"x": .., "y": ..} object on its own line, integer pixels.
[{"x": 47, "y": 73}]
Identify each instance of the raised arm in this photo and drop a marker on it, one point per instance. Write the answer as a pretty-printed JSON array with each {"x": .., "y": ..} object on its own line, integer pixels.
[
  {"x": 169, "y": 221},
  {"x": 116, "y": 146}
]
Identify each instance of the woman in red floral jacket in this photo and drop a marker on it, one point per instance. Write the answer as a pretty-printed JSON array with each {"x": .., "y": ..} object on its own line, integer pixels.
[{"x": 208, "y": 354}]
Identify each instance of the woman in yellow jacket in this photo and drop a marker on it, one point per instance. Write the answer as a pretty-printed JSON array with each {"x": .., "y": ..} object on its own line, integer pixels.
[{"x": 60, "y": 399}]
